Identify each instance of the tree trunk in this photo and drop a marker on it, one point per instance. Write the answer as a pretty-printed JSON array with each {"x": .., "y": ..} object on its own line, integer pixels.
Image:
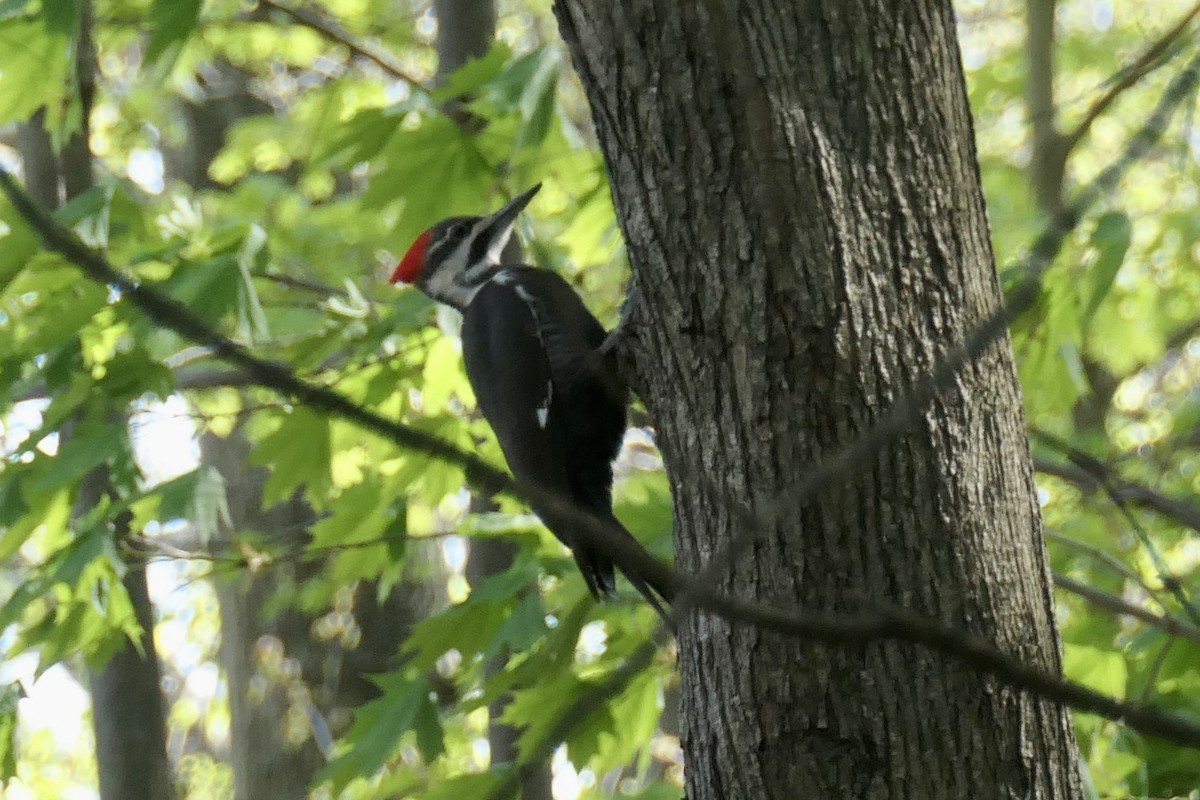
[
  {"x": 798, "y": 187},
  {"x": 128, "y": 712}
]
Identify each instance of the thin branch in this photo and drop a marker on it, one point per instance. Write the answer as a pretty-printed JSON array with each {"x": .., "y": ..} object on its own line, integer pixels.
[
  {"x": 320, "y": 288},
  {"x": 1125, "y": 491},
  {"x": 1104, "y": 477},
  {"x": 333, "y": 31},
  {"x": 1143, "y": 65},
  {"x": 1118, "y": 605},
  {"x": 1107, "y": 558},
  {"x": 871, "y": 625}
]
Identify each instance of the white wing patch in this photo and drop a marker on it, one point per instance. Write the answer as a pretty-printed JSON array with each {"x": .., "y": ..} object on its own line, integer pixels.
[{"x": 507, "y": 278}]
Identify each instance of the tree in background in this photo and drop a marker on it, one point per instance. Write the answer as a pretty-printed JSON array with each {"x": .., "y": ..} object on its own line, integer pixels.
[{"x": 345, "y": 148}]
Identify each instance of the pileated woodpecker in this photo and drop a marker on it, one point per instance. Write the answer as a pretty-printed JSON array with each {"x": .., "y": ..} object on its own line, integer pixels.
[{"x": 533, "y": 356}]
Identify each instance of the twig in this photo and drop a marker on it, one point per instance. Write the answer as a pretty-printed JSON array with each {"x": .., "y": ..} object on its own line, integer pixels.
[
  {"x": 1104, "y": 477},
  {"x": 1127, "y": 491},
  {"x": 1141, "y": 66},
  {"x": 1108, "y": 558},
  {"x": 871, "y": 625},
  {"x": 333, "y": 31},
  {"x": 1111, "y": 602}
]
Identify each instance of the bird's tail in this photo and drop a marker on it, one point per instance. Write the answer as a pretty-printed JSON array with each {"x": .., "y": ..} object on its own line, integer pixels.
[{"x": 597, "y": 569}]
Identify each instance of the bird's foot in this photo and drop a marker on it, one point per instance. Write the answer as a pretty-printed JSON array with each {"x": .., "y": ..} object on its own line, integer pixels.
[{"x": 624, "y": 324}]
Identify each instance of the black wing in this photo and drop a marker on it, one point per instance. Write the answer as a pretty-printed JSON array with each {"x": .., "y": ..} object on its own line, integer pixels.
[{"x": 530, "y": 358}]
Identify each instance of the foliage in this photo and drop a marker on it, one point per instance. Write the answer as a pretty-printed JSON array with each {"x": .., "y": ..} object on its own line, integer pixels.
[{"x": 283, "y": 237}]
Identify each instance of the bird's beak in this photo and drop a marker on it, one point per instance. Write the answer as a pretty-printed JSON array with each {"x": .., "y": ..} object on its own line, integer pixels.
[
  {"x": 496, "y": 230},
  {"x": 507, "y": 216}
]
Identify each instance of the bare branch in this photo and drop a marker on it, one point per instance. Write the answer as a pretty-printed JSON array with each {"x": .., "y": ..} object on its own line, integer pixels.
[
  {"x": 1105, "y": 557},
  {"x": 1104, "y": 478},
  {"x": 1150, "y": 60},
  {"x": 1111, "y": 602},
  {"x": 1100, "y": 476},
  {"x": 333, "y": 31}
]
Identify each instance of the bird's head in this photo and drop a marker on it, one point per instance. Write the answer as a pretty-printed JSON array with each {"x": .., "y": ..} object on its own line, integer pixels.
[{"x": 451, "y": 260}]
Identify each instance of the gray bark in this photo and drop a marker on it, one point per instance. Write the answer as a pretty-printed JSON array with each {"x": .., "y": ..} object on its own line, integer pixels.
[
  {"x": 798, "y": 188},
  {"x": 39, "y": 163},
  {"x": 466, "y": 29}
]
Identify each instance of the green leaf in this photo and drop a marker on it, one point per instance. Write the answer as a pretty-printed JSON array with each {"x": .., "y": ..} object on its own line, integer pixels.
[
  {"x": 89, "y": 446},
  {"x": 61, "y": 16},
  {"x": 252, "y": 322},
  {"x": 443, "y": 375},
  {"x": 606, "y": 741},
  {"x": 171, "y": 22},
  {"x": 475, "y": 73},
  {"x": 298, "y": 453},
  {"x": 406, "y": 705},
  {"x": 538, "y": 75},
  {"x": 468, "y": 627},
  {"x": 1102, "y": 670},
  {"x": 83, "y": 206},
  {"x": 208, "y": 287},
  {"x": 13, "y": 8},
  {"x": 18, "y": 241},
  {"x": 33, "y": 68},
  {"x": 526, "y": 624},
  {"x": 1111, "y": 239},
  {"x": 464, "y": 786},
  {"x": 9, "y": 696},
  {"x": 538, "y": 709},
  {"x": 436, "y": 170},
  {"x": 54, "y": 513}
]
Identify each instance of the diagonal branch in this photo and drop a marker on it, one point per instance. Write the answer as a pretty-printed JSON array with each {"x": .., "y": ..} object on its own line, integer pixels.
[
  {"x": 1150, "y": 60},
  {"x": 1118, "y": 605},
  {"x": 1098, "y": 475},
  {"x": 1105, "y": 480},
  {"x": 333, "y": 31}
]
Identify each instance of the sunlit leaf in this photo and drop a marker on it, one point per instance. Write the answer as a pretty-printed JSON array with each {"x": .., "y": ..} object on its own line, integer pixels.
[
  {"x": 171, "y": 22},
  {"x": 1111, "y": 238},
  {"x": 405, "y": 706},
  {"x": 9, "y": 695},
  {"x": 298, "y": 453},
  {"x": 33, "y": 67}
]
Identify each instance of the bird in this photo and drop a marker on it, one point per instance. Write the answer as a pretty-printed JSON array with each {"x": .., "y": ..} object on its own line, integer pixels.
[{"x": 542, "y": 370}]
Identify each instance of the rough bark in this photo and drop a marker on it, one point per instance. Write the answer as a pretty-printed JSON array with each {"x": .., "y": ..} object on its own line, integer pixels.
[{"x": 798, "y": 188}]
